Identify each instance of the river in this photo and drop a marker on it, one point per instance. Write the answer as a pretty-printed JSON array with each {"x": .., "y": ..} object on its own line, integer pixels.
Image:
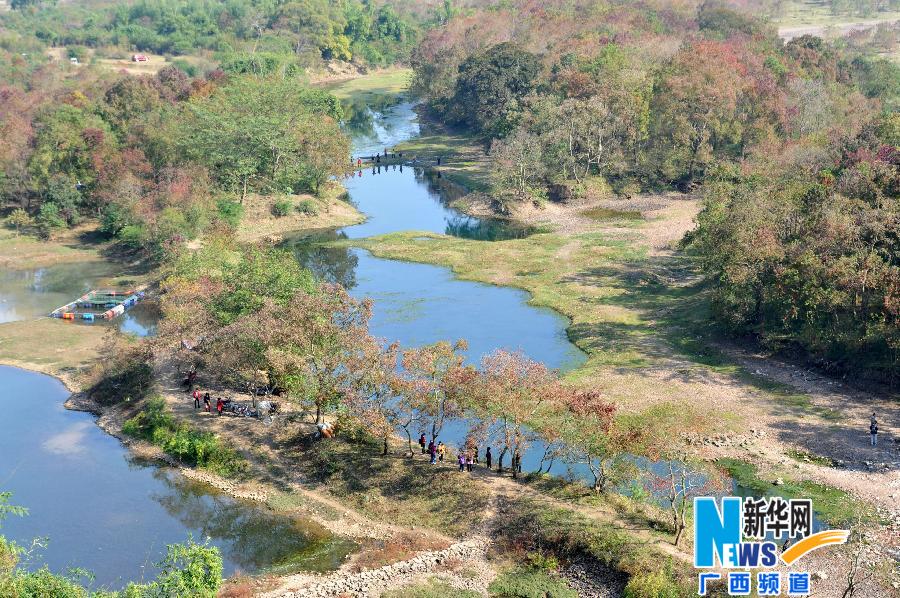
[
  {"x": 104, "y": 511},
  {"x": 417, "y": 304}
]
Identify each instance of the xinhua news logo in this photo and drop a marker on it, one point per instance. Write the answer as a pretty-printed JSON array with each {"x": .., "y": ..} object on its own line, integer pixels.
[{"x": 745, "y": 533}]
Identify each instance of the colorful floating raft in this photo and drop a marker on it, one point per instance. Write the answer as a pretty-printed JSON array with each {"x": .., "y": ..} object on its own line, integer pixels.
[{"x": 114, "y": 304}]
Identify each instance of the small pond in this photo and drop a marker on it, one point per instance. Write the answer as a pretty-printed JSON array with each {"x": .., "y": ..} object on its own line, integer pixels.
[{"x": 32, "y": 293}]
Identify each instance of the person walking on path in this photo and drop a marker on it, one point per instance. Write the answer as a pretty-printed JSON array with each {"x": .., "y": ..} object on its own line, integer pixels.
[
  {"x": 206, "y": 404},
  {"x": 432, "y": 450},
  {"x": 470, "y": 461},
  {"x": 488, "y": 458},
  {"x": 196, "y": 396},
  {"x": 873, "y": 430},
  {"x": 475, "y": 457},
  {"x": 462, "y": 461},
  {"x": 441, "y": 449},
  {"x": 205, "y": 398},
  {"x": 422, "y": 442},
  {"x": 220, "y": 405}
]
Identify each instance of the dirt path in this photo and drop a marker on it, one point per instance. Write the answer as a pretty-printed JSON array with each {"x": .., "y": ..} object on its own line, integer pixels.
[{"x": 833, "y": 29}]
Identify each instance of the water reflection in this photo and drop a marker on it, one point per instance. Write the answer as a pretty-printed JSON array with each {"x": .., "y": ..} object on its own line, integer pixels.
[
  {"x": 378, "y": 121},
  {"x": 328, "y": 263},
  {"x": 114, "y": 515},
  {"x": 255, "y": 539}
]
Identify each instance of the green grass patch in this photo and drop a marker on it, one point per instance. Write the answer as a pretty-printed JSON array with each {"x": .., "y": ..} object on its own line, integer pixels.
[
  {"x": 192, "y": 447},
  {"x": 603, "y": 214},
  {"x": 522, "y": 582},
  {"x": 390, "y": 81},
  {"x": 806, "y": 457},
  {"x": 463, "y": 159},
  {"x": 433, "y": 588},
  {"x": 832, "y": 505}
]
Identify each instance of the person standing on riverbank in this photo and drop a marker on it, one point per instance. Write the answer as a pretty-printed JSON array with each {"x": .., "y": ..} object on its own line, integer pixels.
[
  {"x": 441, "y": 450},
  {"x": 432, "y": 451},
  {"x": 462, "y": 461},
  {"x": 873, "y": 430},
  {"x": 470, "y": 461},
  {"x": 206, "y": 404},
  {"x": 422, "y": 442},
  {"x": 196, "y": 396},
  {"x": 488, "y": 458}
]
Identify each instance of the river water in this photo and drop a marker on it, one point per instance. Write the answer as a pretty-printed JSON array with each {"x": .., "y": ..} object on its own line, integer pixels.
[
  {"x": 418, "y": 304},
  {"x": 105, "y": 511}
]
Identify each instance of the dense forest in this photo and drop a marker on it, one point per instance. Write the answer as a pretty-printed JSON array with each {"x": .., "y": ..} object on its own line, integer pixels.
[
  {"x": 794, "y": 145},
  {"x": 303, "y": 33}
]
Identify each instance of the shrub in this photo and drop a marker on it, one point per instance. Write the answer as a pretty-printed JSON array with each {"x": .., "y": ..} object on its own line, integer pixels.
[
  {"x": 281, "y": 208},
  {"x": 18, "y": 220},
  {"x": 192, "y": 447},
  {"x": 230, "y": 212},
  {"x": 653, "y": 584},
  {"x": 49, "y": 219},
  {"x": 308, "y": 207},
  {"x": 133, "y": 236}
]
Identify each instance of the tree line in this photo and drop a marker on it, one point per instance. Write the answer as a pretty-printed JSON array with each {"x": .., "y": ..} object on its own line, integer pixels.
[
  {"x": 304, "y": 32},
  {"x": 794, "y": 144}
]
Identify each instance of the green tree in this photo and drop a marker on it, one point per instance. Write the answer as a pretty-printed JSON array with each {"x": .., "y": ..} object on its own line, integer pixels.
[
  {"x": 19, "y": 219},
  {"x": 49, "y": 219},
  {"x": 264, "y": 134},
  {"x": 490, "y": 87}
]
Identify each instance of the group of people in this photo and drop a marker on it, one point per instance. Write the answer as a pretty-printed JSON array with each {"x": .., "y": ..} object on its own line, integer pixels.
[
  {"x": 467, "y": 459},
  {"x": 376, "y": 159},
  {"x": 207, "y": 405}
]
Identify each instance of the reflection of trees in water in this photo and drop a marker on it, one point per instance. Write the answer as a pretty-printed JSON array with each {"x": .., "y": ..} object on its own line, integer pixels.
[
  {"x": 146, "y": 315},
  {"x": 331, "y": 264},
  {"x": 254, "y": 537},
  {"x": 444, "y": 190},
  {"x": 360, "y": 113},
  {"x": 485, "y": 229}
]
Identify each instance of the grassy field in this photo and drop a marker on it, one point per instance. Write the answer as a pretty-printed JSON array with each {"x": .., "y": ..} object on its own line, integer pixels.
[
  {"x": 27, "y": 251},
  {"x": 393, "y": 80},
  {"x": 51, "y": 346},
  {"x": 797, "y": 13}
]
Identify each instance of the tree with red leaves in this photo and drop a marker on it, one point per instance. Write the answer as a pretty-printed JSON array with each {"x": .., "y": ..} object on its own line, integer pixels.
[
  {"x": 434, "y": 383},
  {"x": 595, "y": 439},
  {"x": 372, "y": 398},
  {"x": 514, "y": 391}
]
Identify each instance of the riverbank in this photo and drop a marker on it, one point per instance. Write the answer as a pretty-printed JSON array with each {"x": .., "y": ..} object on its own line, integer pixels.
[{"x": 304, "y": 212}]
